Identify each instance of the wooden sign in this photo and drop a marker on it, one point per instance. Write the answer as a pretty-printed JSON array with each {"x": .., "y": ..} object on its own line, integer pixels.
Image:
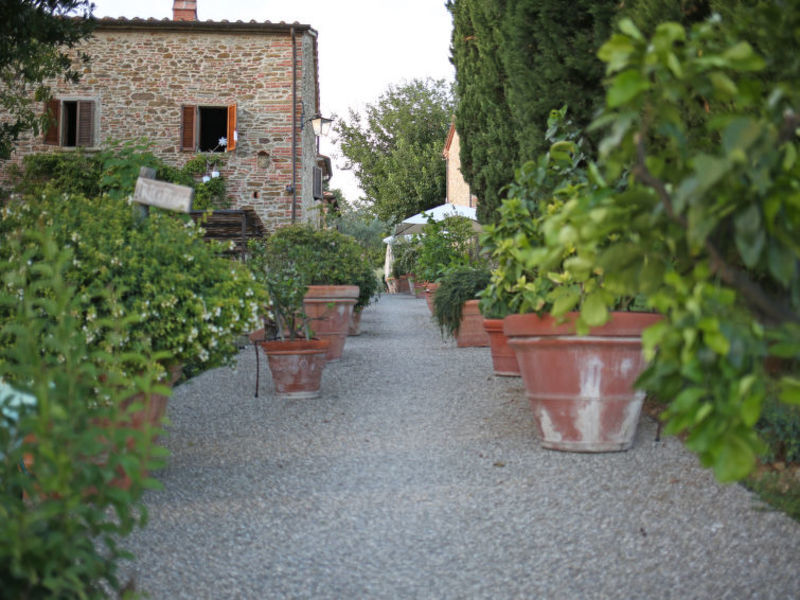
[{"x": 165, "y": 195}]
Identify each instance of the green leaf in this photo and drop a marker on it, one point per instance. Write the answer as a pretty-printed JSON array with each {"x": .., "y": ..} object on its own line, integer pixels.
[
  {"x": 782, "y": 262},
  {"x": 624, "y": 87},
  {"x": 616, "y": 53},
  {"x": 652, "y": 337},
  {"x": 740, "y": 133},
  {"x": 790, "y": 390},
  {"x": 670, "y": 32},
  {"x": 566, "y": 302},
  {"x": 743, "y": 58},
  {"x": 717, "y": 341},
  {"x": 749, "y": 237},
  {"x": 723, "y": 84},
  {"x": 627, "y": 27},
  {"x": 734, "y": 458},
  {"x": 594, "y": 310}
]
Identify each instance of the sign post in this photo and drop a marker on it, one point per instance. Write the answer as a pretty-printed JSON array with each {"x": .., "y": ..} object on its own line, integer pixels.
[{"x": 149, "y": 192}]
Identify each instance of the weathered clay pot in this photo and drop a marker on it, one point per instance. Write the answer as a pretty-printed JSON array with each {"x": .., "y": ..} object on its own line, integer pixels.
[
  {"x": 504, "y": 361},
  {"x": 329, "y": 308},
  {"x": 470, "y": 330},
  {"x": 581, "y": 387},
  {"x": 420, "y": 288},
  {"x": 402, "y": 285},
  {"x": 430, "y": 292},
  {"x": 296, "y": 366}
]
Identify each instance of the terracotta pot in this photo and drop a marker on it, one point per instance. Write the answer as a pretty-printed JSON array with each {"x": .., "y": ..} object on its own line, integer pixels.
[
  {"x": 296, "y": 366},
  {"x": 504, "y": 360},
  {"x": 420, "y": 288},
  {"x": 471, "y": 333},
  {"x": 355, "y": 323},
  {"x": 329, "y": 307},
  {"x": 155, "y": 405},
  {"x": 581, "y": 387},
  {"x": 402, "y": 285},
  {"x": 430, "y": 292}
]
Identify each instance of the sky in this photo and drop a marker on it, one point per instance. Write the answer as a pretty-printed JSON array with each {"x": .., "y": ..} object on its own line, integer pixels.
[{"x": 364, "y": 47}]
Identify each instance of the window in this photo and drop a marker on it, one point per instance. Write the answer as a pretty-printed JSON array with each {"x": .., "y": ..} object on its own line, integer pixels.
[
  {"x": 202, "y": 128},
  {"x": 72, "y": 123}
]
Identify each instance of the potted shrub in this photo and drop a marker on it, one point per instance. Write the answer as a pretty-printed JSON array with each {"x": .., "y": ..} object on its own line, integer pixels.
[
  {"x": 406, "y": 251},
  {"x": 455, "y": 307},
  {"x": 577, "y": 368},
  {"x": 706, "y": 226},
  {"x": 296, "y": 359},
  {"x": 339, "y": 277},
  {"x": 443, "y": 245}
]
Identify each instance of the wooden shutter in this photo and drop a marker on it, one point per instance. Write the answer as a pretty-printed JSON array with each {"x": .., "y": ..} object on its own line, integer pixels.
[
  {"x": 53, "y": 108},
  {"x": 85, "y": 123},
  {"x": 232, "y": 134},
  {"x": 188, "y": 128}
]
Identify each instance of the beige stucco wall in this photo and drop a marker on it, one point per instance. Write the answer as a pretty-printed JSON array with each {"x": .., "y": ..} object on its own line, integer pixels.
[
  {"x": 140, "y": 79},
  {"x": 458, "y": 191}
]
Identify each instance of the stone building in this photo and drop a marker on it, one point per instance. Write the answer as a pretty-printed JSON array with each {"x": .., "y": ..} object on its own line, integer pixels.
[
  {"x": 183, "y": 84},
  {"x": 458, "y": 190}
]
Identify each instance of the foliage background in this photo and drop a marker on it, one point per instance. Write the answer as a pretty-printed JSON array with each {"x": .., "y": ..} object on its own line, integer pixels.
[{"x": 395, "y": 148}]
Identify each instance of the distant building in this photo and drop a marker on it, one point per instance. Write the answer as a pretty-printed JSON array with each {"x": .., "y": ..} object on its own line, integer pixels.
[
  {"x": 458, "y": 191},
  {"x": 184, "y": 84}
]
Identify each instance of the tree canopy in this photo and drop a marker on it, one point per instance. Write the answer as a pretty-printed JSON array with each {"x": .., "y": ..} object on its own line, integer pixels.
[
  {"x": 395, "y": 148},
  {"x": 35, "y": 39}
]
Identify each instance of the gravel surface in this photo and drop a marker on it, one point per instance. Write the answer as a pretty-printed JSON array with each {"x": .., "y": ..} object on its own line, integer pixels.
[{"x": 417, "y": 474}]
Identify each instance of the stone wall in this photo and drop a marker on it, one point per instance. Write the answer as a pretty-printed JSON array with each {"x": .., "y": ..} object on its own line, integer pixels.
[{"x": 141, "y": 78}]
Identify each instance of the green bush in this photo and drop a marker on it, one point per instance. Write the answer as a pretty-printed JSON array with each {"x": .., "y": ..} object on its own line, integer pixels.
[
  {"x": 114, "y": 171},
  {"x": 779, "y": 427},
  {"x": 192, "y": 302},
  {"x": 368, "y": 232},
  {"x": 444, "y": 245},
  {"x": 458, "y": 285},
  {"x": 63, "y": 518},
  {"x": 406, "y": 253},
  {"x": 323, "y": 257}
]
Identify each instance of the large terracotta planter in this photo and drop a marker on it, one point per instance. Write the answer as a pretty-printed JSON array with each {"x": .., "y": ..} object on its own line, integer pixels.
[
  {"x": 470, "y": 330},
  {"x": 430, "y": 293},
  {"x": 402, "y": 285},
  {"x": 329, "y": 307},
  {"x": 296, "y": 366},
  {"x": 504, "y": 361},
  {"x": 420, "y": 288},
  {"x": 581, "y": 387}
]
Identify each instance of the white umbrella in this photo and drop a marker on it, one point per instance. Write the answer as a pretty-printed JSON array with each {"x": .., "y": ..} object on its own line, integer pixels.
[{"x": 438, "y": 213}]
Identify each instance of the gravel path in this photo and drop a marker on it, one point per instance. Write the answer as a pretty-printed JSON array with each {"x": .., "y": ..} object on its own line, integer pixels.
[{"x": 417, "y": 474}]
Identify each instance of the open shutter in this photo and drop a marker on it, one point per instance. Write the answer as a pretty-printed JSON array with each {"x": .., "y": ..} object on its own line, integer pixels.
[
  {"x": 188, "y": 128},
  {"x": 85, "y": 123},
  {"x": 53, "y": 108},
  {"x": 233, "y": 135}
]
